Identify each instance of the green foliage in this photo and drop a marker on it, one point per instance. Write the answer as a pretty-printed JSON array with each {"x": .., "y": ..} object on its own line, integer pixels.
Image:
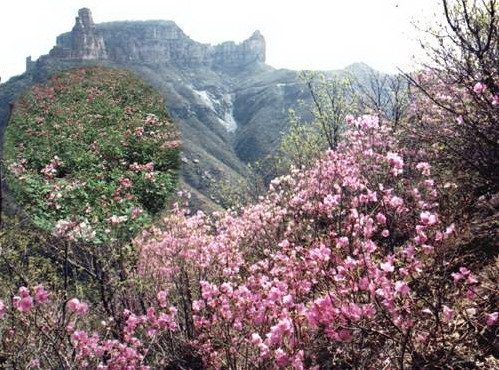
[
  {"x": 25, "y": 257},
  {"x": 92, "y": 154},
  {"x": 301, "y": 145},
  {"x": 332, "y": 102},
  {"x": 237, "y": 192}
]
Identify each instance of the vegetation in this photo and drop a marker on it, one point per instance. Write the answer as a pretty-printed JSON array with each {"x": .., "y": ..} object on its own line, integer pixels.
[
  {"x": 91, "y": 155},
  {"x": 362, "y": 254},
  {"x": 456, "y": 109}
]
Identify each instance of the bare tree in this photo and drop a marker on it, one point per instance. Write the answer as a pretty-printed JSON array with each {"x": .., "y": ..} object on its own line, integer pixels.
[{"x": 386, "y": 96}]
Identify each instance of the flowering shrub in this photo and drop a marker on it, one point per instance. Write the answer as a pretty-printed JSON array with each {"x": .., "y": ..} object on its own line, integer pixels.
[
  {"x": 92, "y": 154},
  {"x": 347, "y": 265},
  {"x": 456, "y": 125},
  {"x": 39, "y": 331},
  {"x": 455, "y": 108}
]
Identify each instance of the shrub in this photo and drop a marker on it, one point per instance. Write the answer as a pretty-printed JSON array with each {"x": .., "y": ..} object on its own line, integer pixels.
[
  {"x": 346, "y": 265},
  {"x": 91, "y": 155}
]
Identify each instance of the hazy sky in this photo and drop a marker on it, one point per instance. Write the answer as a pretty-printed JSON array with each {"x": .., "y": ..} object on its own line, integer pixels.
[{"x": 308, "y": 34}]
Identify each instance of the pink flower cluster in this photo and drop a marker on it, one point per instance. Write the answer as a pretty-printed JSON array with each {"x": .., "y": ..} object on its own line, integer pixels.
[
  {"x": 334, "y": 252},
  {"x": 74, "y": 230},
  {"x": 148, "y": 167},
  {"x": 24, "y": 302},
  {"x": 75, "y": 306},
  {"x": 49, "y": 333}
]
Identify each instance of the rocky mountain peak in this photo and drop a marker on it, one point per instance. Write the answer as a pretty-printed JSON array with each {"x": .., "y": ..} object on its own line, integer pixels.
[
  {"x": 153, "y": 43},
  {"x": 83, "y": 42},
  {"x": 84, "y": 19}
]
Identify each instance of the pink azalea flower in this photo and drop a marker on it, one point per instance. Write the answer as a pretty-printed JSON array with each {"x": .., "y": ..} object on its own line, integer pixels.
[
  {"x": 387, "y": 266},
  {"x": 41, "y": 295},
  {"x": 479, "y": 88},
  {"x": 448, "y": 312},
  {"x": 396, "y": 202},
  {"x": 162, "y": 298},
  {"x": 126, "y": 183},
  {"x": 74, "y": 305},
  {"x": 256, "y": 339},
  {"x": 2, "y": 309},
  {"x": 395, "y": 160},
  {"x": 380, "y": 218},
  {"x": 23, "y": 292},
  {"x": 428, "y": 218},
  {"x": 492, "y": 318},
  {"x": 402, "y": 288},
  {"x": 135, "y": 213},
  {"x": 281, "y": 358},
  {"x": 24, "y": 304}
]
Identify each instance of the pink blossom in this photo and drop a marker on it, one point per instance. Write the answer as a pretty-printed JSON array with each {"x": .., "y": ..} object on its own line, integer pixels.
[
  {"x": 74, "y": 305},
  {"x": 492, "y": 318},
  {"x": 139, "y": 131},
  {"x": 41, "y": 295},
  {"x": 344, "y": 335},
  {"x": 115, "y": 220},
  {"x": 424, "y": 167},
  {"x": 256, "y": 339},
  {"x": 368, "y": 311},
  {"x": 23, "y": 292},
  {"x": 343, "y": 242},
  {"x": 428, "y": 218},
  {"x": 281, "y": 358},
  {"x": 479, "y": 88},
  {"x": 450, "y": 230},
  {"x": 396, "y": 202},
  {"x": 387, "y": 266},
  {"x": 402, "y": 288},
  {"x": 162, "y": 298},
  {"x": 380, "y": 218},
  {"x": 24, "y": 304},
  {"x": 448, "y": 313},
  {"x": 396, "y": 162},
  {"x": 136, "y": 211},
  {"x": 126, "y": 183}
]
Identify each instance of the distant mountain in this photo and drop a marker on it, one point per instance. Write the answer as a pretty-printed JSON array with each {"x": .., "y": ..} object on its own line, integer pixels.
[{"x": 231, "y": 107}]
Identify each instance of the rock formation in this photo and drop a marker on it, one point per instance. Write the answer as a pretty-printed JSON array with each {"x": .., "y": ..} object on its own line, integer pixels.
[
  {"x": 153, "y": 43},
  {"x": 83, "y": 42}
]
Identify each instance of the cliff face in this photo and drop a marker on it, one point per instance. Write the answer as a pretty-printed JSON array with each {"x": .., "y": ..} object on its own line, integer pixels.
[{"x": 153, "y": 43}]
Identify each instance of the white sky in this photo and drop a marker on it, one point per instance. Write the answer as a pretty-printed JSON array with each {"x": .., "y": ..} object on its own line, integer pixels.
[{"x": 306, "y": 34}]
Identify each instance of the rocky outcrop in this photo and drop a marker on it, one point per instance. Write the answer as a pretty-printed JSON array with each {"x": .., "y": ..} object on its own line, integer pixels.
[
  {"x": 231, "y": 55},
  {"x": 152, "y": 43},
  {"x": 83, "y": 42}
]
